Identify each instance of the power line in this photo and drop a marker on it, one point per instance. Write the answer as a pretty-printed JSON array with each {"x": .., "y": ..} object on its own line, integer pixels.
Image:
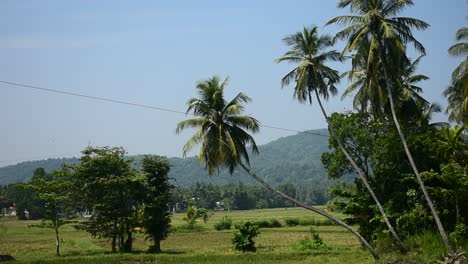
[{"x": 138, "y": 105}]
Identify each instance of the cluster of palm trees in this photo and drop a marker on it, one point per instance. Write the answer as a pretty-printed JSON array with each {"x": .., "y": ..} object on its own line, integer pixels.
[{"x": 382, "y": 78}]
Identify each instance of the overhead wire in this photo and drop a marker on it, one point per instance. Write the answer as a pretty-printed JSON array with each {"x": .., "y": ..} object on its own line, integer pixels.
[{"x": 44, "y": 89}]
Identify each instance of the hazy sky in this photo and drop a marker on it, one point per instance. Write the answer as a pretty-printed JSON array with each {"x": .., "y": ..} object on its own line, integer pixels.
[{"x": 153, "y": 52}]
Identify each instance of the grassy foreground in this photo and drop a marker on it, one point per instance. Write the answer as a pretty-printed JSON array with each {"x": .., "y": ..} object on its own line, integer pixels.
[{"x": 205, "y": 245}]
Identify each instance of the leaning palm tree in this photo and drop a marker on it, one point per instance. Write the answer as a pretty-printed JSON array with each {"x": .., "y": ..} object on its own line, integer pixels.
[
  {"x": 457, "y": 92},
  {"x": 313, "y": 77},
  {"x": 223, "y": 135},
  {"x": 375, "y": 21}
]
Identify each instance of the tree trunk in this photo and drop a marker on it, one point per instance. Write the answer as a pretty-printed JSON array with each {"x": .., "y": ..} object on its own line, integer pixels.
[
  {"x": 128, "y": 245},
  {"x": 457, "y": 210},
  {"x": 57, "y": 239},
  {"x": 442, "y": 232},
  {"x": 157, "y": 246},
  {"x": 313, "y": 209},
  {"x": 363, "y": 178},
  {"x": 114, "y": 238}
]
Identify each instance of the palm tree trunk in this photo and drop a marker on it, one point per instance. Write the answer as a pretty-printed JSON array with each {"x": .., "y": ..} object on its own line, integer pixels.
[
  {"x": 313, "y": 209},
  {"x": 362, "y": 176},
  {"x": 442, "y": 232}
]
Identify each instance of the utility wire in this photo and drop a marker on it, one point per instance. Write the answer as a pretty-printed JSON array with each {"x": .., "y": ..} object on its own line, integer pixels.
[
  {"x": 140, "y": 105},
  {"x": 131, "y": 104}
]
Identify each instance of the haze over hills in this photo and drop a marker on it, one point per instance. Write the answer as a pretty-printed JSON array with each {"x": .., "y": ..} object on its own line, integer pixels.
[{"x": 292, "y": 159}]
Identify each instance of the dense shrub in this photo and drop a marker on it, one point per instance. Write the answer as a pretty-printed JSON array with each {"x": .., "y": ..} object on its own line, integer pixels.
[
  {"x": 460, "y": 233},
  {"x": 268, "y": 223},
  {"x": 316, "y": 222},
  {"x": 275, "y": 223},
  {"x": 224, "y": 224},
  {"x": 243, "y": 240},
  {"x": 314, "y": 242},
  {"x": 291, "y": 221}
]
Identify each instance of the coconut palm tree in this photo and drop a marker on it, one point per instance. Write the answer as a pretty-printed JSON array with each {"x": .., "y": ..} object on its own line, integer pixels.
[
  {"x": 372, "y": 98},
  {"x": 313, "y": 77},
  {"x": 223, "y": 136},
  {"x": 457, "y": 92},
  {"x": 375, "y": 21},
  {"x": 454, "y": 144}
]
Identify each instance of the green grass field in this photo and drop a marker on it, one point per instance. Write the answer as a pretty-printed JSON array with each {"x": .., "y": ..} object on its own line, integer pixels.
[{"x": 206, "y": 245}]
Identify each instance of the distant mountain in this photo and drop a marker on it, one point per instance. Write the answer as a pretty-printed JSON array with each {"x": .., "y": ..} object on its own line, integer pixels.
[{"x": 293, "y": 159}]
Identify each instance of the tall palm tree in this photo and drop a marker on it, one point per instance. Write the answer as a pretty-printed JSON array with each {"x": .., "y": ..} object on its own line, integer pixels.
[
  {"x": 373, "y": 98},
  {"x": 223, "y": 136},
  {"x": 375, "y": 21},
  {"x": 313, "y": 77},
  {"x": 457, "y": 92}
]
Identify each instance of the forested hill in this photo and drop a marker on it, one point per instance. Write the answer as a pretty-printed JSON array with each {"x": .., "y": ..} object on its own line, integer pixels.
[{"x": 293, "y": 159}]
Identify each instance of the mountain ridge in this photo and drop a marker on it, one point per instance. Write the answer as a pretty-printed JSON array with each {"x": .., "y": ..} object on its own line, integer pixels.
[{"x": 290, "y": 159}]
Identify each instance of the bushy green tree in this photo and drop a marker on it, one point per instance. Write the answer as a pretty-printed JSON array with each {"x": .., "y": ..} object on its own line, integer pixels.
[
  {"x": 156, "y": 214},
  {"x": 111, "y": 191},
  {"x": 243, "y": 239},
  {"x": 390, "y": 174},
  {"x": 55, "y": 191}
]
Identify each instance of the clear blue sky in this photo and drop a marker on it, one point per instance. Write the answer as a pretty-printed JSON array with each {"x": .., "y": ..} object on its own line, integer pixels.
[{"x": 153, "y": 52}]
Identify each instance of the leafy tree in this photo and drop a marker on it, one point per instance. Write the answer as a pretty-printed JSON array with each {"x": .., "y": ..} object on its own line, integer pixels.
[
  {"x": 156, "y": 216},
  {"x": 5, "y": 201},
  {"x": 223, "y": 139},
  {"x": 111, "y": 191},
  {"x": 26, "y": 199},
  {"x": 451, "y": 186},
  {"x": 194, "y": 213},
  {"x": 457, "y": 92},
  {"x": 243, "y": 240},
  {"x": 374, "y": 22},
  {"x": 55, "y": 193},
  {"x": 392, "y": 179},
  {"x": 454, "y": 145}
]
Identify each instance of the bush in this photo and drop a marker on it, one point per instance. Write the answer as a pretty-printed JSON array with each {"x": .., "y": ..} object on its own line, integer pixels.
[
  {"x": 291, "y": 221},
  {"x": 316, "y": 222},
  {"x": 186, "y": 228},
  {"x": 224, "y": 224},
  {"x": 306, "y": 222},
  {"x": 243, "y": 240},
  {"x": 275, "y": 223},
  {"x": 314, "y": 242},
  {"x": 268, "y": 223},
  {"x": 460, "y": 233}
]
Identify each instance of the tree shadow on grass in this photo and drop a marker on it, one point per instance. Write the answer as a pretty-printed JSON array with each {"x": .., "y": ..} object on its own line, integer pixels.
[{"x": 108, "y": 253}]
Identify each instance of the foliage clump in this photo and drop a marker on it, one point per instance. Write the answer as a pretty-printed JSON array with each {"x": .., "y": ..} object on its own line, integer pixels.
[
  {"x": 313, "y": 242},
  {"x": 270, "y": 223},
  {"x": 193, "y": 214},
  {"x": 156, "y": 217},
  {"x": 224, "y": 224},
  {"x": 243, "y": 239}
]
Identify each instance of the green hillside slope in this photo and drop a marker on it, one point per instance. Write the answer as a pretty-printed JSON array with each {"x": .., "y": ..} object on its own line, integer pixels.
[{"x": 292, "y": 159}]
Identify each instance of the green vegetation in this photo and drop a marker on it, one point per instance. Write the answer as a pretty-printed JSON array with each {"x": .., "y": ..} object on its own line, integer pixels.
[
  {"x": 288, "y": 160},
  {"x": 224, "y": 224},
  {"x": 314, "y": 242},
  {"x": 156, "y": 218},
  {"x": 243, "y": 239},
  {"x": 408, "y": 203},
  {"x": 56, "y": 192}
]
